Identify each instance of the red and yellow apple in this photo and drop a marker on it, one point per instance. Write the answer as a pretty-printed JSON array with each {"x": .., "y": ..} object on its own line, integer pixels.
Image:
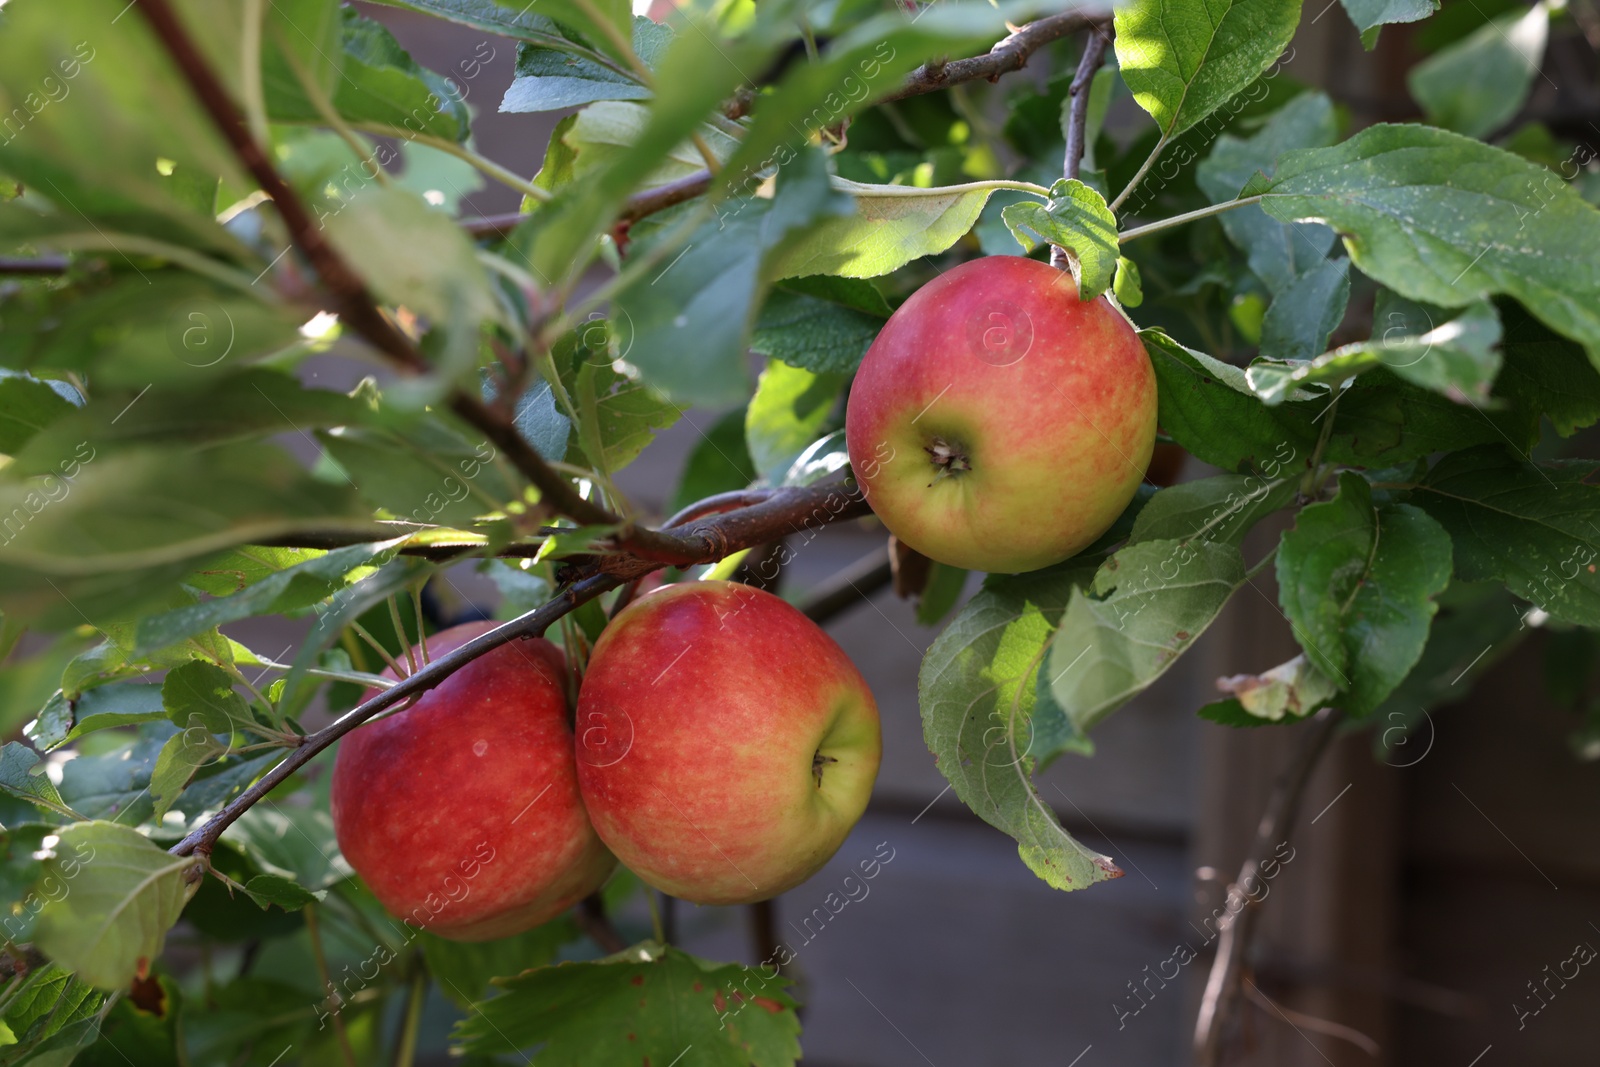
[
  {"x": 725, "y": 744},
  {"x": 998, "y": 422},
  {"x": 462, "y": 813}
]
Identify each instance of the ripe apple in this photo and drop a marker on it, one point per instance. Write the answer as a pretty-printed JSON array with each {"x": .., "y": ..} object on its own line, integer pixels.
[
  {"x": 462, "y": 812},
  {"x": 998, "y": 422},
  {"x": 726, "y": 745}
]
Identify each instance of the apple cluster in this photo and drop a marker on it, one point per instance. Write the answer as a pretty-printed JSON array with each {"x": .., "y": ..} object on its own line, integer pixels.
[{"x": 723, "y": 747}]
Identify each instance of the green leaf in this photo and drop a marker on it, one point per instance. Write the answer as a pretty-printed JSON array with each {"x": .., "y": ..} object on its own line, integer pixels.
[
  {"x": 28, "y": 405},
  {"x": 700, "y": 69},
  {"x": 1477, "y": 625},
  {"x": 941, "y": 593},
  {"x": 791, "y": 409},
  {"x": 1370, "y": 14},
  {"x": 170, "y": 329},
  {"x": 692, "y": 319},
  {"x": 977, "y": 691},
  {"x": 823, "y": 325},
  {"x": 719, "y": 463},
  {"x": 1306, "y": 311},
  {"x": 115, "y": 785},
  {"x": 1479, "y": 83},
  {"x": 416, "y": 256},
  {"x": 1182, "y": 60},
  {"x": 52, "y": 1016},
  {"x": 66, "y": 719},
  {"x": 1075, "y": 218},
  {"x": 867, "y": 60},
  {"x": 892, "y": 225},
  {"x": 143, "y": 1030},
  {"x": 443, "y": 180},
  {"x": 1222, "y": 508},
  {"x": 180, "y": 758},
  {"x": 317, "y": 576},
  {"x": 1358, "y": 583},
  {"x": 1207, "y": 407},
  {"x": 292, "y": 842},
  {"x": 133, "y": 521},
  {"x": 463, "y": 969},
  {"x": 1531, "y": 526},
  {"x": 604, "y": 133},
  {"x": 1293, "y": 689},
  {"x": 124, "y": 899},
  {"x": 1456, "y": 358},
  {"x": 200, "y": 695},
  {"x": 218, "y": 781},
  {"x": 505, "y": 18},
  {"x": 1278, "y": 252},
  {"x": 19, "y": 881},
  {"x": 286, "y": 893},
  {"x": 252, "y": 404},
  {"x": 94, "y": 159},
  {"x": 619, "y": 414},
  {"x": 19, "y": 779},
  {"x": 1443, "y": 219},
  {"x": 650, "y": 1002},
  {"x": 347, "y": 605},
  {"x": 1545, "y": 374},
  {"x": 372, "y": 81},
  {"x": 1143, "y": 609},
  {"x": 1126, "y": 286},
  {"x": 426, "y": 470},
  {"x": 550, "y": 79}
]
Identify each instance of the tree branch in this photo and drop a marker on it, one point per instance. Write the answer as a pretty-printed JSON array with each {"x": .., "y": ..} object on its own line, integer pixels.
[
  {"x": 849, "y": 587},
  {"x": 1094, "y": 53},
  {"x": 1235, "y": 929},
  {"x": 1009, "y": 55},
  {"x": 782, "y": 511},
  {"x": 40, "y": 265},
  {"x": 355, "y": 303}
]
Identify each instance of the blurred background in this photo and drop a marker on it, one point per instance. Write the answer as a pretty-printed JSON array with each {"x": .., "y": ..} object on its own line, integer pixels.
[{"x": 1438, "y": 877}]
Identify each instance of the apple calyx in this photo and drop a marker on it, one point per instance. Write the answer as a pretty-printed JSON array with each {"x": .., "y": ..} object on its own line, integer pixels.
[
  {"x": 818, "y": 762},
  {"x": 948, "y": 459}
]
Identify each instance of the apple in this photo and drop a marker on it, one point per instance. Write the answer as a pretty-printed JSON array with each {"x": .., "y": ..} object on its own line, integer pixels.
[
  {"x": 999, "y": 423},
  {"x": 726, "y": 745},
  {"x": 462, "y": 813}
]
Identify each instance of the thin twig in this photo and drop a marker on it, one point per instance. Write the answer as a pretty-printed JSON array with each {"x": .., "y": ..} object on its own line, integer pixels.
[
  {"x": 1235, "y": 930},
  {"x": 849, "y": 587},
  {"x": 532, "y": 624},
  {"x": 781, "y": 511},
  {"x": 592, "y": 918},
  {"x": 321, "y": 960},
  {"x": 1094, "y": 53},
  {"x": 37, "y": 265},
  {"x": 355, "y": 303},
  {"x": 1188, "y": 216},
  {"x": 1009, "y": 55}
]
